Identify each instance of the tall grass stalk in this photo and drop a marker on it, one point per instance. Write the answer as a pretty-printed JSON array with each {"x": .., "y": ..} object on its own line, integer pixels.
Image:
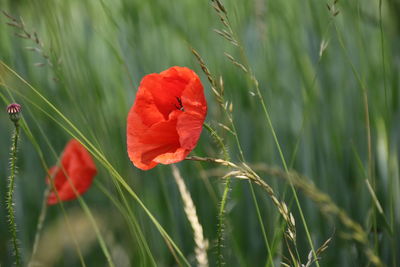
[
  {"x": 43, "y": 212},
  {"x": 323, "y": 201},
  {"x": 44, "y": 207},
  {"x": 39, "y": 226},
  {"x": 245, "y": 66},
  {"x": 383, "y": 58},
  {"x": 224, "y": 198},
  {"x": 370, "y": 163},
  {"x": 218, "y": 90},
  {"x": 130, "y": 219},
  {"x": 38, "y": 150}
]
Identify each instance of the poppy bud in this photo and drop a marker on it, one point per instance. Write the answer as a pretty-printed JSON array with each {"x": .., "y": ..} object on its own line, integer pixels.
[{"x": 14, "y": 111}]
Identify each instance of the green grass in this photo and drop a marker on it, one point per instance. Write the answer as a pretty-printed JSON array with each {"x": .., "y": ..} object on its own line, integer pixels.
[{"x": 316, "y": 103}]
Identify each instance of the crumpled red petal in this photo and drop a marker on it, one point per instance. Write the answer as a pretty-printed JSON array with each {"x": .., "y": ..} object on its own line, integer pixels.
[{"x": 75, "y": 174}]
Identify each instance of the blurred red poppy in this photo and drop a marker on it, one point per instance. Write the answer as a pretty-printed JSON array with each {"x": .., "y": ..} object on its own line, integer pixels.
[
  {"x": 165, "y": 122},
  {"x": 77, "y": 168}
]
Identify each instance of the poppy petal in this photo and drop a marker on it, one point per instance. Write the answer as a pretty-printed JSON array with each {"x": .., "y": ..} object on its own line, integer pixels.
[
  {"x": 189, "y": 128},
  {"x": 172, "y": 157},
  {"x": 144, "y": 145},
  {"x": 145, "y": 105}
]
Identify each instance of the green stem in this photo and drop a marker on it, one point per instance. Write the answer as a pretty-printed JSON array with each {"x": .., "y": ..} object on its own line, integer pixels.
[
  {"x": 264, "y": 233},
  {"x": 221, "y": 216},
  {"x": 364, "y": 96},
  {"x": 9, "y": 200},
  {"x": 383, "y": 59},
  {"x": 221, "y": 212},
  {"x": 39, "y": 226}
]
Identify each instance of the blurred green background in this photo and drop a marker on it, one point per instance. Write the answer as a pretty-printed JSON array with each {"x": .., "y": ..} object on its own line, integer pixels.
[{"x": 98, "y": 51}]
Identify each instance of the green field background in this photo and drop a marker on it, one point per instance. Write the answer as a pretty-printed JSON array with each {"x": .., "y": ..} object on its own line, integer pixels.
[{"x": 318, "y": 73}]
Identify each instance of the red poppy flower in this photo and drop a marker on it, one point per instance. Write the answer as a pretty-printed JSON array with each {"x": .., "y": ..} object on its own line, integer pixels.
[
  {"x": 77, "y": 169},
  {"x": 165, "y": 122}
]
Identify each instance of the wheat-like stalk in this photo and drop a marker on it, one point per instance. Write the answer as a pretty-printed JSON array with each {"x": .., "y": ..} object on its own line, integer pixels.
[
  {"x": 324, "y": 202},
  {"x": 245, "y": 172},
  {"x": 38, "y": 46},
  {"x": 191, "y": 214},
  {"x": 311, "y": 259},
  {"x": 327, "y": 206}
]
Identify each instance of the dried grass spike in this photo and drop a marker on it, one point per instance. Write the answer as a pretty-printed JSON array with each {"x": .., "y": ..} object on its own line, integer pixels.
[
  {"x": 236, "y": 63},
  {"x": 191, "y": 214}
]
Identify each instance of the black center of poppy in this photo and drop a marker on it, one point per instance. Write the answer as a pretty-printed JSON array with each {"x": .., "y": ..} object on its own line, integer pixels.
[{"x": 180, "y": 105}]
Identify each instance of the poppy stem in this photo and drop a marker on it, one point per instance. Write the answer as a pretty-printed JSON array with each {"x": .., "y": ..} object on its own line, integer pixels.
[
  {"x": 225, "y": 194},
  {"x": 42, "y": 217},
  {"x": 10, "y": 193}
]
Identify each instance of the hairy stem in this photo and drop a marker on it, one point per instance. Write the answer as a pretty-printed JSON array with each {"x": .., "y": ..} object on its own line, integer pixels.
[
  {"x": 222, "y": 204},
  {"x": 9, "y": 200}
]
